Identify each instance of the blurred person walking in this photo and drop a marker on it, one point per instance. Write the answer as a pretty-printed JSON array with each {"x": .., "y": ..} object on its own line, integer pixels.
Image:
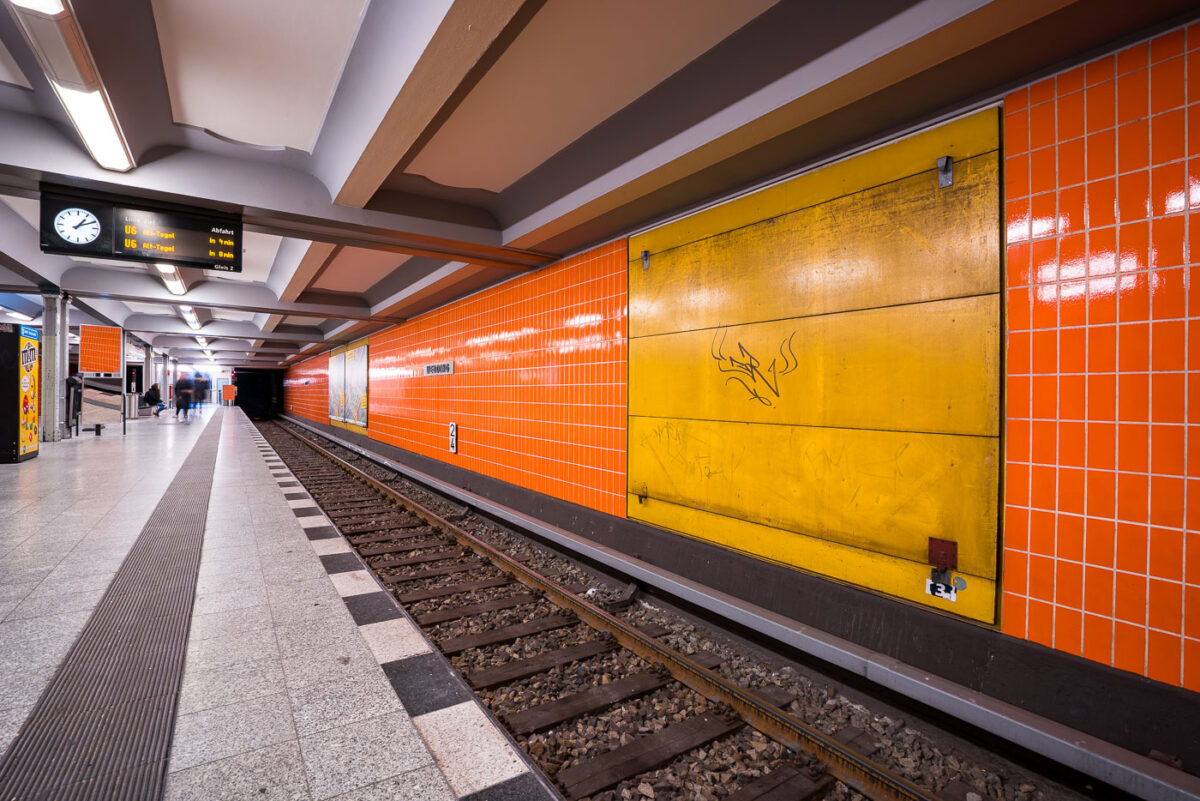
[
  {"x": 200, "y": 391},
  {"x": 183, "y": 395}
]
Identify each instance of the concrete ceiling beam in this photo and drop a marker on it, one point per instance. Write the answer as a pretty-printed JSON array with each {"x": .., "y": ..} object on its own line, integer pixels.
[
  {"x": 213, "y": 294},
  {"x": 21, "y": 304},
  {"x": 924, "y": 34},
  {"x": 453, "y": 55},
  {"x": 271, "y": 199},
  {"x": 158, "y": 324},
  {"x": 452, "y": 61},
  {"x": 221, "y": 343}
]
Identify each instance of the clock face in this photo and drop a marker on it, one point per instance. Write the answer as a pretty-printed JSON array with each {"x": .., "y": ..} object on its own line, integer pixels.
[{"x": 77, "y": 226}]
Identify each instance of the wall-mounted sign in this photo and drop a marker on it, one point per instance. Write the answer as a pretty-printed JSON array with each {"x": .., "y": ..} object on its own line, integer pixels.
[
  {"x": 440, "y": 368},
  {"x": 355, "y": 412},
  {"x": 348, "y": 386},
  {"x": 100, "y": 350},
  {"x": 79, "y": 226},
  {"x": 337, "y": 386}
]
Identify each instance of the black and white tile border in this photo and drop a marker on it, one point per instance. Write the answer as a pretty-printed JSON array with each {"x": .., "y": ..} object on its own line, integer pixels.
[{"x": 477, "y": 757}]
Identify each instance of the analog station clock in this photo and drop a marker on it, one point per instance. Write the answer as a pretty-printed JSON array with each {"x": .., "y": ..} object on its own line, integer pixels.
[{"x": 77, "y": 226}]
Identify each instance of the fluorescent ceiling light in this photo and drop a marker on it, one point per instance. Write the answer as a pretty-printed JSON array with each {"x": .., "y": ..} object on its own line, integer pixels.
[
  {"x": 175, "y": 286},
  {"x": 203, "y": 342},
  {"x": 192, "y": 322},
  {"x": 16, "y": 315},
  {"x": 94, "y": 120},
  {"x": 58, "y": 43},
  {"x": 165, "y": 269},
  {"x": 185, "y": 309},
  {"x": 51, "y": 7}
]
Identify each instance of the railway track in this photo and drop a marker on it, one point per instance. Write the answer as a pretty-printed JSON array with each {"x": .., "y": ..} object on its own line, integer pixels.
[{"x": 589, "y": 687}]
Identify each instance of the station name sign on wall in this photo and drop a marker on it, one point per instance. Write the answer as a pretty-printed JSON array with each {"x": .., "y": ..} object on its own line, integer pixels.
[
  {"x": 78, "y": 225},
  {"x": 440, "y": 368}
]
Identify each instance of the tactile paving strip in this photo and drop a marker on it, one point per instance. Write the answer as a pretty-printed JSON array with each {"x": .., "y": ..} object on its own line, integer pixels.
[{"x": 102, "y": 728}]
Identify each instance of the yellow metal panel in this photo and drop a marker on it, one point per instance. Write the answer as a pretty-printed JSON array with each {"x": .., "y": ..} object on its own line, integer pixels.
[
  {"x": 814, "y": 368},
  {"x": 924, "y": 367},
  {"x": 885, "y": 491},
  {"x": 960, "y": 139},
  {"x": 903, "y": 242},
  {"x": 857, "y": 566}
]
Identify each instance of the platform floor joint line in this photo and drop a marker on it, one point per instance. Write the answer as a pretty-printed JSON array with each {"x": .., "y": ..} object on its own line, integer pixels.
[{"x": 102, "y": 727}]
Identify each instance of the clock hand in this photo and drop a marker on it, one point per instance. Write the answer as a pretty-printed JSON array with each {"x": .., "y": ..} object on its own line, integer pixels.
[{"x": 81, "y": 222}]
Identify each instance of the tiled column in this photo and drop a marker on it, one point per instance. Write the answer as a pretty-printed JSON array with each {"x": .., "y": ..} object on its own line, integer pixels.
[{"x": 54, "y": 365}]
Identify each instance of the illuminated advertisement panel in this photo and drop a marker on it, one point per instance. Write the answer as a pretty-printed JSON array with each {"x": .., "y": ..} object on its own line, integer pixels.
[
  {"x": 337, "y": 387},
  {"x": 355, "y": 412},
  {"x": 27, "y": 433}
]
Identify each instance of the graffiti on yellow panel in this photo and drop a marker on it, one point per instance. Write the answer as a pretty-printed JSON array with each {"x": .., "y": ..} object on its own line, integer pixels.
[
  {"x": 743, "y": 368},
  {"x": 931, "y": 367}
]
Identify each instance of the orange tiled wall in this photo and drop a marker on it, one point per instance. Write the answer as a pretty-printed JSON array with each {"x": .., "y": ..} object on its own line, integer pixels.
[
  {"x": 99, "y": 349},
  {"x": 1102, "y": 513},
  {"x": 306, "y": 389},
  {"x": 538, "y": 390}
]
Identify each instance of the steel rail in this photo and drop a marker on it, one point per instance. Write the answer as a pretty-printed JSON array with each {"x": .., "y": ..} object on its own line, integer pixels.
[{"x": 852, "y": 769}]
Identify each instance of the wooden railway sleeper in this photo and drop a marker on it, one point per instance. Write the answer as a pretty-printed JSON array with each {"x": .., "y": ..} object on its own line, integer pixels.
[
  {"x": 469, "y": 610},
  {"x": 453, "y": 589},
  {"x": 360, "y": 510},
  {"x": 786, "y": 783},
  {"x": 399, "y": 532},
  {"x": 543, "y": 716},
  {"x": 653, "y": 750},
  {"x": 413, "y": 543},
  {"x": 433, "y": 572}
]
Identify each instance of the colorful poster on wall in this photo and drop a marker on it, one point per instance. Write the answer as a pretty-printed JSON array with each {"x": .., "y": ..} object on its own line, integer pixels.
[
  {"x": 356, "y": 386},
  {"x": 27, "y": 437},
  {"x": 337, "y": 386}
]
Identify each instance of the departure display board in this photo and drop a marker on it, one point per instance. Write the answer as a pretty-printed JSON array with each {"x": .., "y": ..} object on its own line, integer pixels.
[{"x": 80, "y": 226}]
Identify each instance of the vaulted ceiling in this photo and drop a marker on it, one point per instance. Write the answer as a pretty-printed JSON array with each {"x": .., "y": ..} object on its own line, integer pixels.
[{"x": 387, "y": 156}]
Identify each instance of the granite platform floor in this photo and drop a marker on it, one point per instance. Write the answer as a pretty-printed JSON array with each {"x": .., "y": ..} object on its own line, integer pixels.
[
  {"x": 68, "y": 517},
  {"x": 302, "y": 680}
]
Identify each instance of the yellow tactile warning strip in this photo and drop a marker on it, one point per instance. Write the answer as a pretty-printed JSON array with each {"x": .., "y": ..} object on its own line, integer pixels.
[{"x": 102, "y": 727}]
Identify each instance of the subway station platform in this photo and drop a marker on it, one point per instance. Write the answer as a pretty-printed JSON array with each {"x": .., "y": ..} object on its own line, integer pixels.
[{"x": 178, "y": 620}]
